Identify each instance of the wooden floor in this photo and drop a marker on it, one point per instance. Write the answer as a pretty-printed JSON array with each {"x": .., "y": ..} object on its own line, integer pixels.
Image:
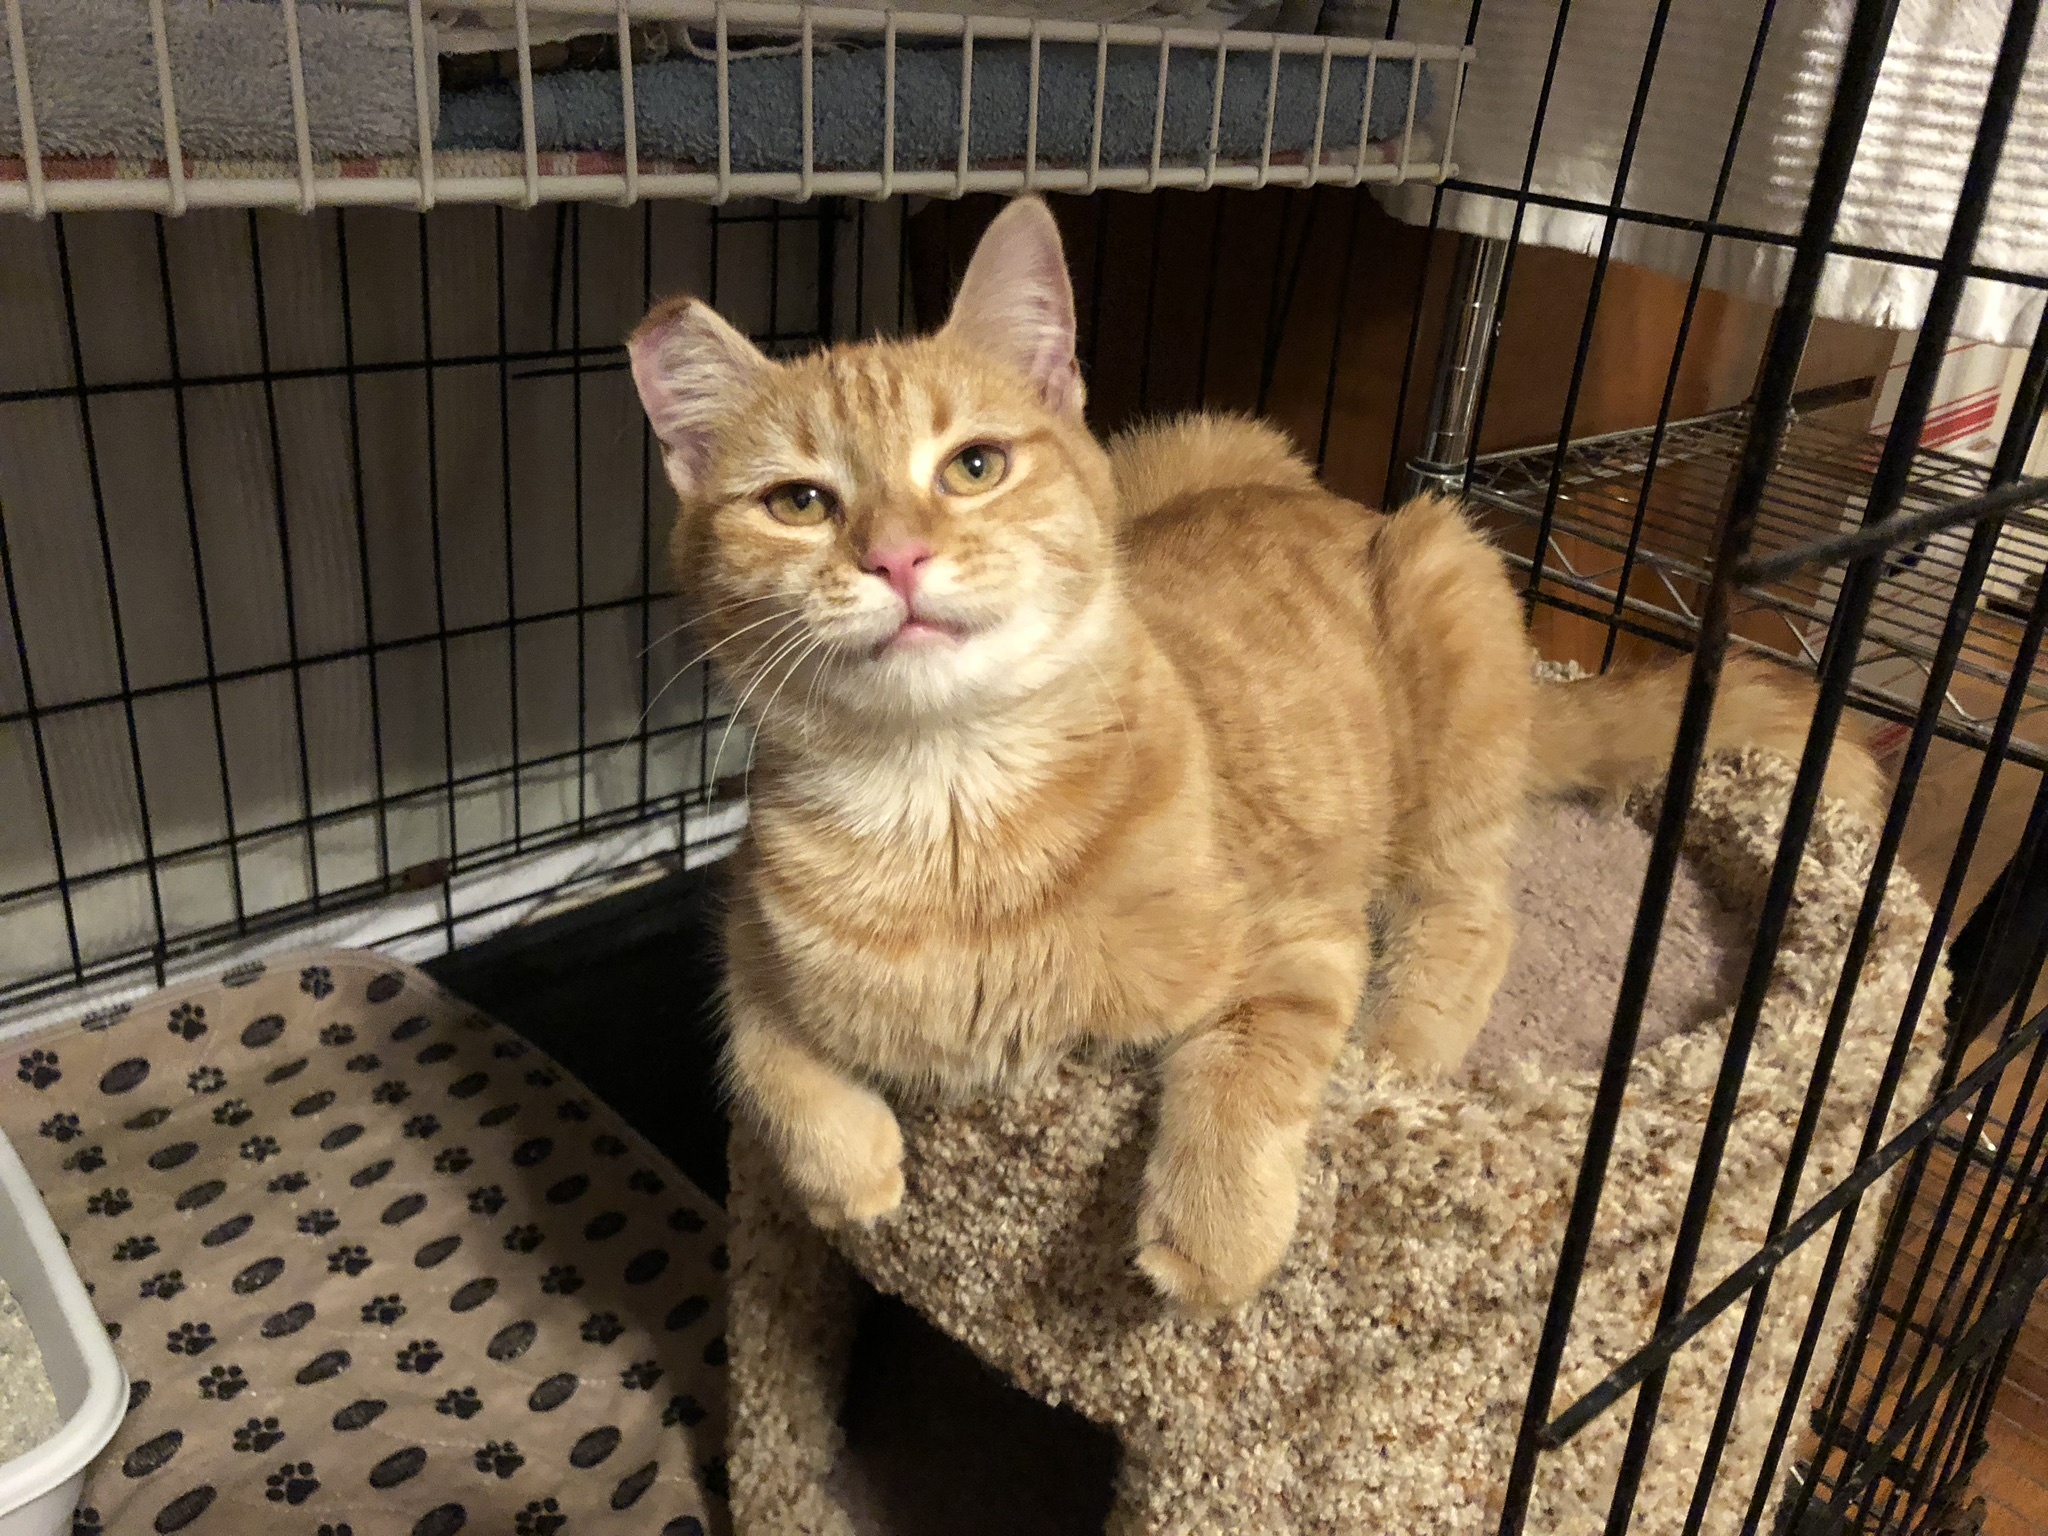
[{"x": 2013, "y": 1478}]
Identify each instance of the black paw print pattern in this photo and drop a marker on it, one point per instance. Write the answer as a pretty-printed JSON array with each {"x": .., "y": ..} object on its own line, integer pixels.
[
  {"x": 293, "y": 1484},
  {"x": 683, "y": 1410},
  {"x": 498, "y": 1458},
  {"x": 716, "y": 1477},
  {"x": 85, "y": 1521},
  {"x": 394, "y": 1120},
  {"x": 190, "y": 1339},
  {"x": 419, "y": 1357},
  {"x": 105, "y": 1018},
  {"x": 223, "y": 1384},
  {"x": 258, "y": 1435}
]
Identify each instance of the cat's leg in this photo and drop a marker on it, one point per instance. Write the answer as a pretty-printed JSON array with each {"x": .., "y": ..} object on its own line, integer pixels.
[
  {"x": 1238, "y": 1098},
  {"x": 1454, "y": 930},
  {"x": 836, "y": 1140}
]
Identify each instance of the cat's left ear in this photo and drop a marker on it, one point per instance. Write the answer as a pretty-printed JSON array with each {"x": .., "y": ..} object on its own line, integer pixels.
[
  {"x": 1017, "y": 304},
  {"x": 691, "y": 369}
]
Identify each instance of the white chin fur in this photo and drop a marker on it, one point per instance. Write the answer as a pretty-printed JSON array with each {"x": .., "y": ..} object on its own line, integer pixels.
[{"x": 1017, "y": 656}]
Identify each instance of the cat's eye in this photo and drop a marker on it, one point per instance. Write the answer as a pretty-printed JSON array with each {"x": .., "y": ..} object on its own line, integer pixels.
[
  {"x": 976, "y": 468},
  {"x": 799, "y": 505}
]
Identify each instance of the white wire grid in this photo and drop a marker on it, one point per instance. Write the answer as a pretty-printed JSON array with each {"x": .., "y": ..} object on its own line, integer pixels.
[
  {"x": 436, "y": 177},
  {"x": 1817, "y": 491}
]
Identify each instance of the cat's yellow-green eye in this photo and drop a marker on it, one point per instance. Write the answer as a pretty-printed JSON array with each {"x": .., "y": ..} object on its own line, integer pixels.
[
  {"x": 976, "y": 468},
  {"x": 799, "y": 505}
]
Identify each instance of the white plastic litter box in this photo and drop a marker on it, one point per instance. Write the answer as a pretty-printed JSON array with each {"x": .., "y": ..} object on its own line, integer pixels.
[{"x": 39, "y": 1489}]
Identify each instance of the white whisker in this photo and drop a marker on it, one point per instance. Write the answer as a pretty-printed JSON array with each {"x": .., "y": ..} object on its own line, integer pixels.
[
  {"x": 754, "y": 746},
  {"x": 677, "y": 675},
  {"x": 1114, "y": 703},
  {"x": 733, "y": 719},
  {"x": 698, "y": 618}
]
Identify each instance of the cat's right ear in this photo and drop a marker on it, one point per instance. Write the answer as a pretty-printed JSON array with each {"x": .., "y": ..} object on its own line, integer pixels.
[{"x": 690, "y": 368}]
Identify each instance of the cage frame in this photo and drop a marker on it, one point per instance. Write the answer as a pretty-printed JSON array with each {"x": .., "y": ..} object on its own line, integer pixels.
[{"x": 1870, "y": 1469}]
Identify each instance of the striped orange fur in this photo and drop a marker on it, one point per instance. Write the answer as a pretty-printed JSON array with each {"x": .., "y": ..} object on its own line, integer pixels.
[{"x": 1170, "y": 724}]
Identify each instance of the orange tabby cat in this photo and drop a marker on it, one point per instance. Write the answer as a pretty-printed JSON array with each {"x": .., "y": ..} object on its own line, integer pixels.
[{"x": 1059, "y": 745}]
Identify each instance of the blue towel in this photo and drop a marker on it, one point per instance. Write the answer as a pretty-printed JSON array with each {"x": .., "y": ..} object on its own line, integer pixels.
[
  {"x": 676, "y": 105},
  {"x": 92, "y": 66}
]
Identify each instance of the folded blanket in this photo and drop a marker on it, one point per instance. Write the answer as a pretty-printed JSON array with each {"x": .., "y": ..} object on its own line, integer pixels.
[
  {"x": 676, "y": 107},
  {"x": 92, "y": 65}
]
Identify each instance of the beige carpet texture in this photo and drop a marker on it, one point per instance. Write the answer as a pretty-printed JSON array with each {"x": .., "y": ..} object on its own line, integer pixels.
[
  {"x": 374, "y": 1267},
  {"x": 1377, "y": 1384}
]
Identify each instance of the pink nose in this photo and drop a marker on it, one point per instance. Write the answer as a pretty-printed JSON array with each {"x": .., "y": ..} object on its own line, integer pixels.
[{"x": 898, "y": 566}]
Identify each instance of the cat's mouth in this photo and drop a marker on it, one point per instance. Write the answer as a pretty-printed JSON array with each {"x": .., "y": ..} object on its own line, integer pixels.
[{"x": 917, "y": 633}]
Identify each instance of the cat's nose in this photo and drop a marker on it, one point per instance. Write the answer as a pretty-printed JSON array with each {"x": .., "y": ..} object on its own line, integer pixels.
[{"x": 898, "y": 565}]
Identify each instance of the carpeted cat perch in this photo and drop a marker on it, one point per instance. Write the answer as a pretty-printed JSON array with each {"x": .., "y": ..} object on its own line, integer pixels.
[{"x": 1377, "y": 1384}]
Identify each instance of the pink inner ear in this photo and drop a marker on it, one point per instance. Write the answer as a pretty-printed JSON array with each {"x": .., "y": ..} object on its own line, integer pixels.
[
  {"x": 689, "y": 366},
  {"x": 1017, "y": 304}
]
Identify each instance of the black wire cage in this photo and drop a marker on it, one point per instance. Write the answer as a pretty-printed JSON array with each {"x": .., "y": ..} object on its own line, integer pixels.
[{"x": 332, "y": 544}]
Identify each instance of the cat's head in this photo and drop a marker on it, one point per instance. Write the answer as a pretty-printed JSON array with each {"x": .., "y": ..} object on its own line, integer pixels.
[{"x": 894, "y": 530}]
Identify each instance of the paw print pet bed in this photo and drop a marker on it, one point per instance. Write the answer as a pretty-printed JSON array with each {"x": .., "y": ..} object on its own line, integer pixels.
[
  {"x": 373, "y": 1266},
  {"x": 1376, "y": 1385}
]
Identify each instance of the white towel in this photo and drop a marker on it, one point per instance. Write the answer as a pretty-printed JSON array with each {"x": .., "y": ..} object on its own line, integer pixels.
[{"x": 1902, "y": 194}]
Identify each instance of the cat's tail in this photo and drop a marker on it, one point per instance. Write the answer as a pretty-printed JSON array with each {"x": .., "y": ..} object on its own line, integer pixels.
[{"x": 1615, "y": 732}]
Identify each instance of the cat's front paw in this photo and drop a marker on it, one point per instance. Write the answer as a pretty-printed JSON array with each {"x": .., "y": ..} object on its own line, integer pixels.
[
  {"x": 849, "y": 1171},
  {"x": 1212, "y": 1229}
]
